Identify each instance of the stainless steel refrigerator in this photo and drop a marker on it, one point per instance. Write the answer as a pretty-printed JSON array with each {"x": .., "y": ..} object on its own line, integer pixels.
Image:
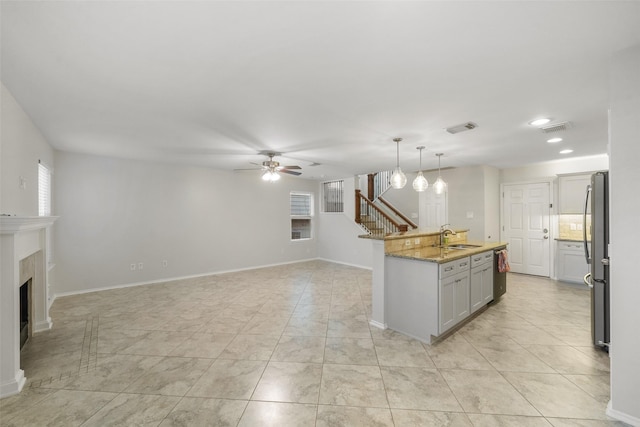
[{"x": 597, "y": 279}]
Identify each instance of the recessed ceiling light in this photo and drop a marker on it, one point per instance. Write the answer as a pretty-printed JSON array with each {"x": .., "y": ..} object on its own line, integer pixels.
[
  {"x": 566, "y": 151},
  {"x": 539, "y": 122},
  {"x": 554, "y": 140}
]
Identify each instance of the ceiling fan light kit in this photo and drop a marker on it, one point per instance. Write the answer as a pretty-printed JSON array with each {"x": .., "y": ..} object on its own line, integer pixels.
[
  {"x": 420, "y": 184},
  {"x": 398, "y": 178},
  {"x": 270, "y": 176},
  {"x": 271, "y": 169}
]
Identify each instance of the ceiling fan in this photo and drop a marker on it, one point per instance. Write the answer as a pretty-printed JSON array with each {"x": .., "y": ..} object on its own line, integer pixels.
[{"x": 272, "y": 169}]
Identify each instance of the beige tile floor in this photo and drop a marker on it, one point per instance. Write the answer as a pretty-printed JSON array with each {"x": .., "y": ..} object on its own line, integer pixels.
[{"x": 291, "y": 346}]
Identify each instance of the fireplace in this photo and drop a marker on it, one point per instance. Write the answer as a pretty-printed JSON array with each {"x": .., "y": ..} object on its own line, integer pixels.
[
  {"x": 24, "y": 297},
  {"x": 25, "y": 308}
]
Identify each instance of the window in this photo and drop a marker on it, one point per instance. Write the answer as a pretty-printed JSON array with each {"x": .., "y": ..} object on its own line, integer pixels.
[
  {"x": 44, "y": 205},
  {"x": 333, "y": 196},
  {"x": 44, "y": 190},
  {"x": 301, "y": 215}
]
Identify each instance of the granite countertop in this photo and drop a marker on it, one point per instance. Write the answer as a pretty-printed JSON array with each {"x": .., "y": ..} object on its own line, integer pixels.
[
  {"x": 420, "y": 232},
  {"x": 441, "y": 255}
]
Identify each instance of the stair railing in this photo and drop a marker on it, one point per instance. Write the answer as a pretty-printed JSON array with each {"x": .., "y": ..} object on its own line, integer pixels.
[
  {"x": 383, "y": 223},
  {"x": 378, "y": 183},
  {"x": 397, "y": 212}
]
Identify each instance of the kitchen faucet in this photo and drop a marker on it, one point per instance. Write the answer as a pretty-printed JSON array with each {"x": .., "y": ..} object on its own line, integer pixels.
[{"x": 444, "y": 232}]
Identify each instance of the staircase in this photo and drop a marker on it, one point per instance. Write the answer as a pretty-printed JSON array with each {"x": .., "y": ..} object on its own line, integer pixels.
[{"x": 376, "y": 215}]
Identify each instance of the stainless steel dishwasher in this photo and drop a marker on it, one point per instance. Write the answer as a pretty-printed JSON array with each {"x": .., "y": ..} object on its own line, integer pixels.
[{"x": 499, "y": 279}]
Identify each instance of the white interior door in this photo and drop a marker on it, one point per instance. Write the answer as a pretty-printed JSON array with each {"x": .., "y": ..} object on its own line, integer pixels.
[
  {"x": 526, "y": 227},
  {"x": 432, "y": 209}
]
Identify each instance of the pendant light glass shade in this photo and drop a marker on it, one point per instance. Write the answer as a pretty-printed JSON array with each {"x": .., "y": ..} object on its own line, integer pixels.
[
  {"x": 439, "y": 186},
  {"x": 420, "y": 184},
  {"x": 398, "y": 178}
]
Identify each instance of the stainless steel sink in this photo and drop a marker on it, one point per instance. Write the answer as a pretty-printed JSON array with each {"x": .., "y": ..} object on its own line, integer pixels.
[{"x": 460, "y": 246}]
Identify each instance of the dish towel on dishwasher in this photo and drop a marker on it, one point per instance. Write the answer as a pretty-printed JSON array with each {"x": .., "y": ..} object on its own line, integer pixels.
[{"x": 503, "y": 261}]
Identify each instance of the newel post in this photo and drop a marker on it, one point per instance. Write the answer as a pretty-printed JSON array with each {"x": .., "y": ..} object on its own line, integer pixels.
[
  {"x": 358, "y": 220},
  {"x": 371, "y": 186}
]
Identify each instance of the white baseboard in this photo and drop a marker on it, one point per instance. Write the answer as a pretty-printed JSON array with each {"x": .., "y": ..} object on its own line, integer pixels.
[
  {"x": 377, "y": 324},
  {"x": 45, "y": 325},
  {"x": 621, "y": 416},
  {"x": 14, "y": 386},
  {"x": 169, "y": 279},
  {"x": 345, "y": 263}
]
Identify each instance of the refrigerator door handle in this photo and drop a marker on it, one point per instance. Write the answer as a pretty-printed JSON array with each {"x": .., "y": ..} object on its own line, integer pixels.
[
  {"x": 584, "y": 224},
  {"x": 587, "y": 280}
]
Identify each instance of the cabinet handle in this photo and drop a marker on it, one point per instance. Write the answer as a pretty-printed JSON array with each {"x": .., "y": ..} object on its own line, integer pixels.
[
  {"x": 462, "y": 264},
  {"x": 448, "y": 269},
  {"x": 477, "y": 259}
]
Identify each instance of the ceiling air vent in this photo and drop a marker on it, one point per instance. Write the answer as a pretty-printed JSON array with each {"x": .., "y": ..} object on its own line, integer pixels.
[
  {"x": 556, "y": 127},
  {"x": 462, "y": 128}
]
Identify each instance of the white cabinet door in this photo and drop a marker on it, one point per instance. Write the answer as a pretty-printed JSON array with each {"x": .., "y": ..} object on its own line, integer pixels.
[
  {"x": 481, "y": 286},
  {"x": 572, "y": 265},
  {"x": 475, "y": 288},
  {"x": 572, "y": 190},
  {"x": 447, "y": 303},
  {"x": 461, "y": 295},
  {"x": 454, "y": 300},
  {"x": 487, "y": 283}
]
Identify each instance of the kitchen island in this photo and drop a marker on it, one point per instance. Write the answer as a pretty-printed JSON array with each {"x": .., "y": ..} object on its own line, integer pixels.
[{"x": 431, "y": 284}]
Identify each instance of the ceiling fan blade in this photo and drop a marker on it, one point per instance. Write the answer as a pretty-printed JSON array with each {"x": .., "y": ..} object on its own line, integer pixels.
[
  {"x": 290, "y": 167},
  {"x": 290, "y": 172},
  {"x": 248, "y": 169}
]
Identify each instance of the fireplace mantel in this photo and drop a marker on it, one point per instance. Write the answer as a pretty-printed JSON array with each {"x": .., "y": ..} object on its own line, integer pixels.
[
  {"x": 20, "y": 237},
  {"x": 16, "y": 224}
]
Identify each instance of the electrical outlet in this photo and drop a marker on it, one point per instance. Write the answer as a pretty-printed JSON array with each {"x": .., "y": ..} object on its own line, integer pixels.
[
  {"x": 573, "y": 226},
  {"x": 579, "y": 226},
  {"x": 165, "y": 263},
  {"x": 140, "y": 266},
  {"x": 407, "y": 242},
  {"x": 417, "y": 241},
  {"x": 132, "y": 267}
]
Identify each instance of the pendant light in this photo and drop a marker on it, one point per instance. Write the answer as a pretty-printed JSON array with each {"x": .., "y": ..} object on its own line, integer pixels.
[
  {"x": 398, "y": 178},
  {"x": 420, "y": 184},
  {"x": 439, "y": 186}
]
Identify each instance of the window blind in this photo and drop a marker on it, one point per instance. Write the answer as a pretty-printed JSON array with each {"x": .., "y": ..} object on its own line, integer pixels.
[
  {"x": 44, "y": 190},
  {"x": 300, "y": 204}
]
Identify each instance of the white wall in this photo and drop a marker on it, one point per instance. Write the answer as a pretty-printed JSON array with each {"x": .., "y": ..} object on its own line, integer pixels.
[
  {"x": 338, "y": 233},
  {"x": 21, "y": 146},
  {"x": 624, "y": 213},
  {"x": 557, "y": 167},
  {"x": 404, "y": 199},
  {"x": 116, "y": 212},
  {"x": 491, "y": 204},
  {"x": 466, "y": 195}
]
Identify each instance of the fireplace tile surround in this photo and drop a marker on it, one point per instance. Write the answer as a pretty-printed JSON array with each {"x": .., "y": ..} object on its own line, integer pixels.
[{"x": 23, "y": 256}]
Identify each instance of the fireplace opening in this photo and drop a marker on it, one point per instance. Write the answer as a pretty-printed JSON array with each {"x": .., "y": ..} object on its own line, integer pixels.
[{"x": 25, "y": 302}]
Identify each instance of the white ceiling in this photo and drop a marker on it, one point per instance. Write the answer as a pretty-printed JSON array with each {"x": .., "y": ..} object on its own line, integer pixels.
[{"x": 215, "y": 83}]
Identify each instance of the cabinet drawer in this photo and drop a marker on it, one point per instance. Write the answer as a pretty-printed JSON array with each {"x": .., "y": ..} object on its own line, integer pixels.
[
  {"x": 453, "y": 267},
  {"x": 571, "y": 246},
  {"x": 481, "y": 258}
]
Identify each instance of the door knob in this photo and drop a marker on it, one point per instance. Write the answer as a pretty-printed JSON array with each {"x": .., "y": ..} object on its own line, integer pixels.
[
  {"x": 545, "y": 231},
  {"x": 546, "y": 237}
]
